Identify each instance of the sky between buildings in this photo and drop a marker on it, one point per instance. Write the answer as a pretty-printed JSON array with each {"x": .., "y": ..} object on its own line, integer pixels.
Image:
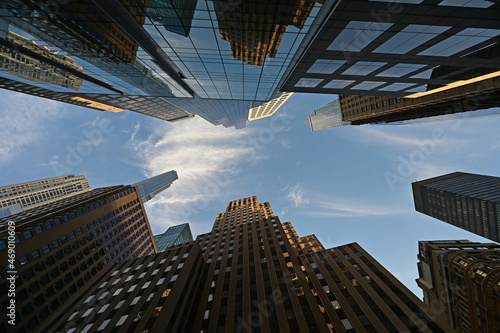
[{"x": 350, "y": 184}]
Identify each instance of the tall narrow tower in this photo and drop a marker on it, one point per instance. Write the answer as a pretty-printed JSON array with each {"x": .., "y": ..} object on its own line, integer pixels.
[{"x": 150, "y": 187}]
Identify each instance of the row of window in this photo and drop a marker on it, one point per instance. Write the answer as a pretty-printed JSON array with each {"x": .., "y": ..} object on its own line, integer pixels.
[{"x": 366, "y": 108}]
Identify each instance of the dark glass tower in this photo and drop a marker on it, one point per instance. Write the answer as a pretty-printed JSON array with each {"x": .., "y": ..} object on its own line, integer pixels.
[
  {"x": 465, "y": 200},
  {"x": 175, "y": 235},
  {"x": 251, "y": 273},
  {"x": 401, "y": 49}
]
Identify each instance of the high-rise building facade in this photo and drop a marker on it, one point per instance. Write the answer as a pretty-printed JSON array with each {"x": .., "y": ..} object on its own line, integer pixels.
[
  {"x": 150, "y": 187},
  {"x": 478, "y": 95},
  {"x": 465, "y": 200},
  {"x": 267, "y": 109},
  {"x": 39, "y": 192},
  {"x": 205, "y": 58},
  {"x": 250, "y": 273},
  {"x": 178, "y": 234},
  {"x": 62, "y": 246},
  {"x": 461, "y": 283},
  {"x": 401, "y": 49},
  {"x": 474, "y": 100},
  {"x": 327, "y": 116}
]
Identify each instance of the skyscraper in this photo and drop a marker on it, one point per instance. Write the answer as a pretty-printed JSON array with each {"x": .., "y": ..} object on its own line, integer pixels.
[
  {"x": 465, "y": 200},
  {"x": 250, "y": 273},
  {"x": 175, "y": 235},
  {"x": 463, "y": 99},
  {"x": 461, "y": 282},
  {"x": 39, "y": 192},
  {"x": 150, "y": 187},
  {"x": 193, "y": 57},
  {"x": 327, "y": 116},
  {"x": 61, "y": 247},
  {"x": 267, "y": 109},
  {"x": 400, "y": 49}
]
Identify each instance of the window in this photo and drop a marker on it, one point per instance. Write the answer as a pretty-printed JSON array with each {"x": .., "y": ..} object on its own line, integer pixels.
[
  {"x": 357, "y": 35},
  {"x": 23, "y": 260},
  {"x": 363, "y": 68},
  {"x": 27, "y": 234},
  {"x": 398, "y": 86},
  {"x": 325, "y": 66},
  {"x": 460, "y": 42},
  {"x": 368, "y": 85},
  {"x": 338, "y": 84},
  {"x": 308, "y": 83},
  {"x": 409, "y": 38}
]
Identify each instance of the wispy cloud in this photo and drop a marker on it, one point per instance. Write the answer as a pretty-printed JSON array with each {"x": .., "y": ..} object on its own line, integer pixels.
[
  {"x": 297, "y": 196},
  {"x": 23, "y": 120},
  {"x": 336, "y": 207},
  {"x": 286, "y": 143},
  {"x": 206, "y": 158},
  {"x": 402, "y": 136}
]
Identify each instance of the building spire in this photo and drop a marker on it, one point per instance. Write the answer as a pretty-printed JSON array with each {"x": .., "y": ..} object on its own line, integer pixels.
[{"x": 150, "y": 187}]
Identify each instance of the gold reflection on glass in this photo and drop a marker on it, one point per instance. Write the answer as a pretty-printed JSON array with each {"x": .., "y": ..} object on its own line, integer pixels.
[
  {"x": 455, "y": 85},
  {"x": 156, "y": 312},
  {"x": 255, "y": 28},
  {"x": 166, "y": 293},
  {"x": 97, "y": 105},
  {"x": 23, "y": 66}
]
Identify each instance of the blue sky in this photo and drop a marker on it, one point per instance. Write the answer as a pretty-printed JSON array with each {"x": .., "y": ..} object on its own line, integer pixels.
[{"x": 350, "y": 184}]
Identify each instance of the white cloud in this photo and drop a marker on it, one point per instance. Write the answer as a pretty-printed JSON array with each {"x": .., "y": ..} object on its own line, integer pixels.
[
  {"x": 335, "y": 207},
  {"x": 296, "y": 194},
  {"x": 286, "y": 143},
  {"x": 404, "y": 136},
  {"x": 283, "y": 212},
  {"x": 23, "y": 119},
  {"x": 206, "y": 158}
]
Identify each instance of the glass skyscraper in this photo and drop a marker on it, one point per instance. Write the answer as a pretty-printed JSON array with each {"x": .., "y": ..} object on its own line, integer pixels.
[
  {"x": 175, "y": 235},
  {"x": 206, "y": 58},
  {"x": 150, "y": 187},
  {"x": 465, "y": 200},
  {"x": 397, "y": 48},
  {"x": 327, "y": 116}
]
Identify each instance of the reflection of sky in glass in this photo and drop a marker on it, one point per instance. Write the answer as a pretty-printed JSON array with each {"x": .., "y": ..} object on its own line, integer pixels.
[
  {"x": 460, "y": 41},
  {"x": 211, "y": 70},
  {"x": 409, "y": 38},
  {"x": 210, "y": 64},
  {"x": 398, "y": 86}
]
